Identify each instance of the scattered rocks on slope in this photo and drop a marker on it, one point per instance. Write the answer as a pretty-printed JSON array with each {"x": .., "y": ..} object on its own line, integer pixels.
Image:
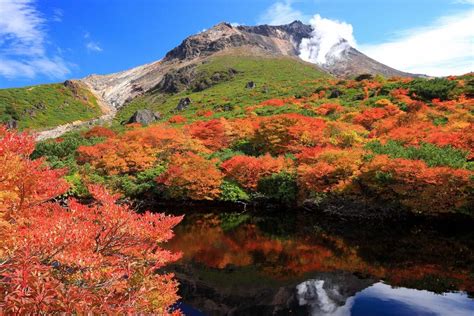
[
  {"x": 224, "y": 108},
  {"x": 176, "y": 80},
  {"x": 335, "y": 93},
  {"x": 183, "y": 104},
  {"x": 205, "y": 81},
  {"x": 144, "y": 117},
  {"x": 364, "y": 77},
  {"x": 40, "y": 106},
  {"x": 12, "y": 124},
  {"x": 250, "y": 85}
]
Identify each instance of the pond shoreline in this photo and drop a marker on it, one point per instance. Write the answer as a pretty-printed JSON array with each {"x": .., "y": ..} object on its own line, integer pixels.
[{"x": 337, "y": 211}]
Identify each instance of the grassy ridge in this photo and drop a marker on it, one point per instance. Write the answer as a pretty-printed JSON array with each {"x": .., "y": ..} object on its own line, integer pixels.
[
  {"x": 49, "y": 105},
  {"x": 274, "y": 78}
]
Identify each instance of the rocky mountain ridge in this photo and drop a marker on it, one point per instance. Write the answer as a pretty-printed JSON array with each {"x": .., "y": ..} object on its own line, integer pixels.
[{"x": 264, "y": 40}]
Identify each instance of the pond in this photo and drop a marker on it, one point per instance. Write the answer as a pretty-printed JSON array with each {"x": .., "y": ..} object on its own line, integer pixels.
[{"x": 293, "y": 263}]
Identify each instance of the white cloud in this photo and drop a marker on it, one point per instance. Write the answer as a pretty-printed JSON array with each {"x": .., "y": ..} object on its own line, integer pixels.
[
  {"x": 421, "y": 300},
  {"x": 22, "y": 43},
  {"x": 281, "y": 12},
  {"x": 446, "y": 47},
  {"x": 325, "y": 36},
  {"x": 57, "y": 15},
  {"x": 93, "y": 47},
  {"x": 464, "y": 1}
]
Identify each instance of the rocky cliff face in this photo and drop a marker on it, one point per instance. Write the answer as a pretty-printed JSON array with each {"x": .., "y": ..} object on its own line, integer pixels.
[{"x": 284, "y": 40}]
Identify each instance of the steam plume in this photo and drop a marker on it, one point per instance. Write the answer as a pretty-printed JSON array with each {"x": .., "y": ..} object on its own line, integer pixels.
[{"x": 329, "y": 39}]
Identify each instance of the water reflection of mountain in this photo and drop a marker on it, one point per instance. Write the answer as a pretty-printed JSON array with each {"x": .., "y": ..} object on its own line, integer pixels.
[
  {"x": 331, "y": 294},
  {"x": 241, "y": 266},
  {"x": 324, "y": 294},
  {"x": 325, "y": 299},
  {"x": 327, "y": 294}
]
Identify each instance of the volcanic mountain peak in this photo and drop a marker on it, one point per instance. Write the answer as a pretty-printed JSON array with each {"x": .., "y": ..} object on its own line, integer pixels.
[{"x": 295, "y": 40}]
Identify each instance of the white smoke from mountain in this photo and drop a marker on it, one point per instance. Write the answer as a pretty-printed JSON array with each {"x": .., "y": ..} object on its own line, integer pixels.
[{"x": 328, "y": 41}]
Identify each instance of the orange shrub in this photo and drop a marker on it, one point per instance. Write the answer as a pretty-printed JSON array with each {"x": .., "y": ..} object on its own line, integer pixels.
[
  {"x": 177, "y": 119},
  {"x": 100, "y": 258},
  {"x": 289, "y": 132},
  {"x": 370, "y": 116},
  {"x": 327, "y": 169},
  {"x": 329, "y": 108},
  {"x": 463, "y": 139},
  {"x": 192, "y": 176},
  {"x": 204, "y": 113},
  {"x": 241, "y": 129},
  {"x": 212, "y": 133},
  {"x": 417, "y": 186},
  {"x": 247, "y": 171},
  {"x": 23, "y": 182},
  {"x": 99, "y": 131},
  {"x": 137, "y": 149}
]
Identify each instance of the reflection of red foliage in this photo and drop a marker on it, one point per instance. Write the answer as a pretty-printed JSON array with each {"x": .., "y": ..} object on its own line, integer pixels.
[{"x": 248, "y": 246}]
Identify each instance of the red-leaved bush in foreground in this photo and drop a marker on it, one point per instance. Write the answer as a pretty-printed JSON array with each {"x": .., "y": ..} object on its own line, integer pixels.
[{"x": 97, "y": 258}]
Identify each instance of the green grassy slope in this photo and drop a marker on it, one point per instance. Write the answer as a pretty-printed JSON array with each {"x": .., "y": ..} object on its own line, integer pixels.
[
  {"x": 274, "y": 78},
  {"x": 49, "y": 105}
]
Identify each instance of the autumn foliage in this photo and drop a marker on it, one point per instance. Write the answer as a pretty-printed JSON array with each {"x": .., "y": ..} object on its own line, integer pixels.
[
  {"x": 192, "y": 176},
  {"x": 99, "y": 258},
  {"x": 418, "y": 186},
  {"x": 137, "y": 149},
  {"x": 322, "y": 143},
  {"x": 247, "y": 171}
]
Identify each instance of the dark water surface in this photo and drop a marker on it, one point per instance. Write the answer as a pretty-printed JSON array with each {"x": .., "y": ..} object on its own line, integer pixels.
[{"x": 303, "y": 264}]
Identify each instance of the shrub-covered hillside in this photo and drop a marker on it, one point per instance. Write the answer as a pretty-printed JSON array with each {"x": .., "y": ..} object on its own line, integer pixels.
[
  {"x": 398, "y": 143},
  {"x": 221, "y": 83},
  {"x": 44, "y": 106}
]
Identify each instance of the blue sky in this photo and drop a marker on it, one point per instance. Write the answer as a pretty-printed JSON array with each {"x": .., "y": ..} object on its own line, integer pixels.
[{"x": 51, "y": 40}]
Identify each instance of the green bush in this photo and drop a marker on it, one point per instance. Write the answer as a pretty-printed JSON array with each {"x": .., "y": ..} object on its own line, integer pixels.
[
  {"x": 76, "y": 186},
  {"x": 61, "y": 154},
  {"x": 439, "y": 88},
  {"x": 383, "y": 177},
  {"x": 145, "y": 181},
  {"x": 429, "y": 153},
  {"x": 225, "y": 154},
  {"x": 232, "y": 192},
  {"x": 279, "y": 187}
]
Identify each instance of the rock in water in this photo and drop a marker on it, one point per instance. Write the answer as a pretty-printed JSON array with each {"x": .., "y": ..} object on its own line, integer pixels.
[{"x": 144, "y": 117}]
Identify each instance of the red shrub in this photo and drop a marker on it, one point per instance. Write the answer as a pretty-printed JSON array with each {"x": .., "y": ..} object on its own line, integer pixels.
[{"x": 247, "y": 171}]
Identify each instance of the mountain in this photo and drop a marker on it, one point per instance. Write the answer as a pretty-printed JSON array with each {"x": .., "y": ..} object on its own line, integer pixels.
[
  {"x": 263, "y": 40},
  {"x": 275, "y": 59}
]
